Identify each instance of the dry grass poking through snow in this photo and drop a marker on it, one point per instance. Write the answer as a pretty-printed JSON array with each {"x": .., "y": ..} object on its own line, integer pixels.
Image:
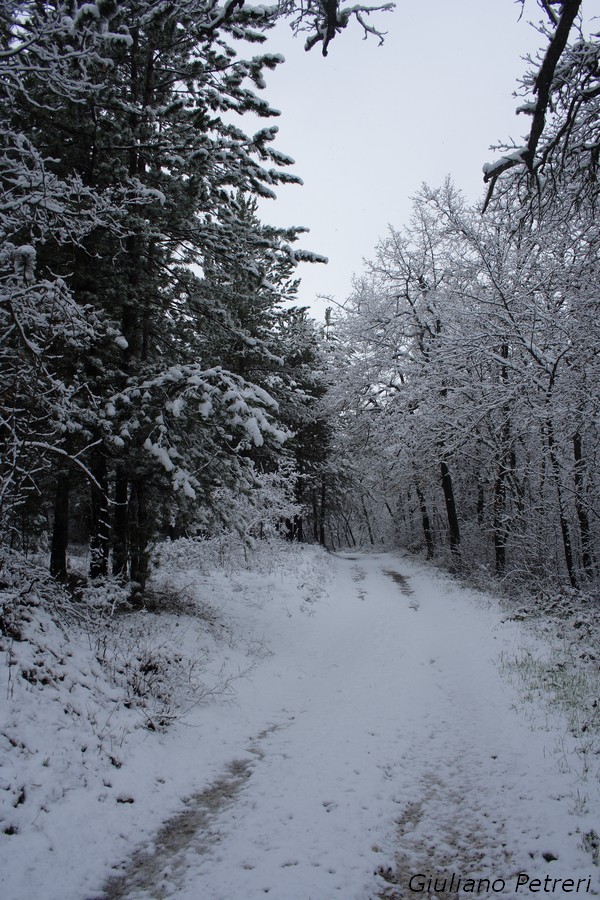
[
  {"x": 556, "y": 671},
  {"x": 81, "y": 672}
]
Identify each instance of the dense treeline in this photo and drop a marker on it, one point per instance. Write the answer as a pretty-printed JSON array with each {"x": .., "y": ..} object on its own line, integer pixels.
[
  {"x": 153, "y": 379},
  {"x": 469, "y": 359}
]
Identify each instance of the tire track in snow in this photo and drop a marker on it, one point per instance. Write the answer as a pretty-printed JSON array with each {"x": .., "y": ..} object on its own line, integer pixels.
[
  {"x": 153, "y": 871},
  {"x": 404, "y": 585},
  {"x": 483, "y": 799},
  {"x": 300, "y": 781},
  {"x": 401, "y": 580}
]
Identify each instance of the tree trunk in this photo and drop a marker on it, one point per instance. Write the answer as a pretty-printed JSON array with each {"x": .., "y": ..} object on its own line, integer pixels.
[
  {"x": 499, "y": 526},
  {"x": 349, "y": 534},
  {"x": 480, "y": 505},
  {"x": 120, "y": 557},
  {"x": 60, "y": 529},
  {"x": 315, "y": 515},
  {"x": 425, "y": 522},
  {"x": 139, "y": 534},
  {"x": 322, "y": 513},
  {"x": 100, "y": 522},
  {"x": 453, "y": 527},
  {"x": 369, "y": 529},
  {"x": 582, "y": 515},
  {"x": 564, "y": 525}
]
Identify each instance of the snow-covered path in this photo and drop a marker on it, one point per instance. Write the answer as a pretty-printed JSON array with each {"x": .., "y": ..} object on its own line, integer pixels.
[{"x": 379, "y": 734}]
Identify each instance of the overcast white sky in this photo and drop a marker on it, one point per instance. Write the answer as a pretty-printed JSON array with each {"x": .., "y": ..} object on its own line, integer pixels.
[{"x": 368, "y": 125}]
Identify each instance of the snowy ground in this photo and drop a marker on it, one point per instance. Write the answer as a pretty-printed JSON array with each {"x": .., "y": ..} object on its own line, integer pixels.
[{"x": 352, "y": 722}]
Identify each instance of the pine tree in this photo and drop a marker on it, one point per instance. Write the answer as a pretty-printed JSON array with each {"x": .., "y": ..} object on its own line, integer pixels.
[
  {"x": 44, "y": 53},
  {"x": 135, "y": 219}
]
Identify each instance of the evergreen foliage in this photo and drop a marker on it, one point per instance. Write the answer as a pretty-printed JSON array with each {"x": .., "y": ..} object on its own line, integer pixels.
[{"x": 148, "y": 377}]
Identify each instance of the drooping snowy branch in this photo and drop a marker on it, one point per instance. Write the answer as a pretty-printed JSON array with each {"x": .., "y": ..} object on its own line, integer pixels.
[
  {"x": 543, "y": 84},
  {"x": 322, "y": 20}
]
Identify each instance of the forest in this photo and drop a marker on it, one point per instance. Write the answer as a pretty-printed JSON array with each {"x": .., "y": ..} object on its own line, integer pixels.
[
  {"x": 157, "y": 378},
  {"x": 290, "y": 607}
]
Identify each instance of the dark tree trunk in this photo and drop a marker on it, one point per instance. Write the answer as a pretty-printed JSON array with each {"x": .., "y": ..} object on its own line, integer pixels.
[
  {"x": 100, "y": 521},
  {"x": 349, "y": 534},
  {"x": 564, "y": 525},
  {"x": 425, "y": 522},
  {"x": 453, "y": 526},
  {"x": 322, "y": 512},
  {"x": 369, "y": 529},
  {"x": 480, "y": 504},
  {"x": 499, "y": 527},
  {"x": 294, "y": 528},
  {"x": 582, "y": 515},
  {"x": 60, "y": 529},
  {"x": 120, "y": 556},
  {"x": 139, "y": 534},
  {"x": 315, "y": 516}
]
